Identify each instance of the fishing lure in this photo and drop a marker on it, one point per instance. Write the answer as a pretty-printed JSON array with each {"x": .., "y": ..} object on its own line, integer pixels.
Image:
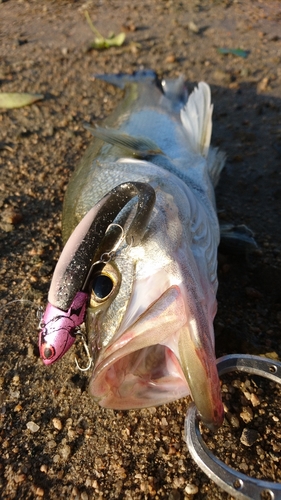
[{"x": 94, "y": 237}]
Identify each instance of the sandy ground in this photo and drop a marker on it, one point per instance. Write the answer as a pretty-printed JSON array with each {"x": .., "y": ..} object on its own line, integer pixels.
[{"x": 55, "y": 442}]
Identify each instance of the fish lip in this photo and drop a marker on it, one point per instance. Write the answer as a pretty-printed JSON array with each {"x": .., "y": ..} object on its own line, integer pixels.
[
  {"x": 199, "y": 365},
  {"x": 171, "y": 310}
]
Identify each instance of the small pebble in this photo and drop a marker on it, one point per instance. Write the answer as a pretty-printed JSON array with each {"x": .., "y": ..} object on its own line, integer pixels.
[
  {"x": 39, "y": 492},
  {"x": 52, "y": 444},
  {"x": 174, "y": 495},
  {"x": 249, "y": 437},
  {"x": 18, "y": 407},
  {"x": 32, "y": 426},
  {"x": 11, "y": 216},
  {"x": 19, "y": 478},
  {"x": 57, "y": 424},
  {"x": 233, "y": 420},
  {"x": 44, "y": 468},
  {"x": 30, "y": 351},
  {"x": 244, "y": 467},
  {"x": 95, "y": 484},
  {"x": 71, "y": 434},
  {"x": 171, "y": 58},
  {"x": 255, "y": 400},
  {"x": 247, "y": 395},
  {"x": 193, "y": 27},
  {"x": 14, "y": 394},
  {"x": 164, "y": 422},
  {"x": 191, "y": 489},
  {"x": 263, "y": 85},
  {"x": 172, "y": 450},
  {"x": 65, "y": 451},
  {"x": 75, "y": 492},
  {"x": 247, "y": 414}
]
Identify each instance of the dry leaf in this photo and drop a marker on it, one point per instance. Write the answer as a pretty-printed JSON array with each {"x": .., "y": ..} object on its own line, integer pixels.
[{"x": 11, "y": 100}]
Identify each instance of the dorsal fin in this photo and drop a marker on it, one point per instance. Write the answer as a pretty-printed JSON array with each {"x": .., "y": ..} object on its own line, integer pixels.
[
  {"x": 196, "y": 118},
  {"x": 140, "y": 147}
]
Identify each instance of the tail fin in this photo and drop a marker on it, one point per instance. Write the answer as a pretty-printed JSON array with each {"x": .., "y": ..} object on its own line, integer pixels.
[
  {"x": 122, "y": 79},
  {"x": 196, "y": 118},
  {"x": 173, "y": 89}
]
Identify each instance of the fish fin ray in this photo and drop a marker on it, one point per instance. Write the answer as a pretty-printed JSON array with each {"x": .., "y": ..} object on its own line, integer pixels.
[
  {"x": 196, "y": 118},
  {"x": 140, "y": 147},
  {"x": 216, "y": 161},
  {"x": 236, "y": 239},
  {"x": 175, "y": 90}
]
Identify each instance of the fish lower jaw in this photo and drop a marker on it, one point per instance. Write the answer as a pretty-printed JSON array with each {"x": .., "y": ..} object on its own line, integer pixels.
[
  {"x": 166, "y": 355},
  {"x": 151, "y": 376}
]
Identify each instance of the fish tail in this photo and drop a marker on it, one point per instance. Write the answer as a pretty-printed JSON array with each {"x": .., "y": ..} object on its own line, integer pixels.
[
  {"x": 174, "y": 89},
  {"x": 122, "y": 79}
]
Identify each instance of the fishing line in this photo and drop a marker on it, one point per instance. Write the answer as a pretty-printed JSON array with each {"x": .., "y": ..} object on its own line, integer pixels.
[
  {"x": 23, "y": 302},
  {"x": 39, "y": 308}
]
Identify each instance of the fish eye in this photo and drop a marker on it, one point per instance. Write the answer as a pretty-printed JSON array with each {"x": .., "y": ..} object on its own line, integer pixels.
[{"x": 105, "y": 285}]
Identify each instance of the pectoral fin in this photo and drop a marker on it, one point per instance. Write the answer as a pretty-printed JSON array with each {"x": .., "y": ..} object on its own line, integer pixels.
[
  {"x": 236, "y": 240},
  {"x": 140, "y": 147}
]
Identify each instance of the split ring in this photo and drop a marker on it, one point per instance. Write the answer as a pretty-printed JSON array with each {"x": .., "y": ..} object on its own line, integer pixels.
[{"x": 233, "y": 482}]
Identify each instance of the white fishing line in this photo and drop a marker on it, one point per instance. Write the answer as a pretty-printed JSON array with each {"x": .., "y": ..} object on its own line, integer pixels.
[{"x": 4, "y": 308}]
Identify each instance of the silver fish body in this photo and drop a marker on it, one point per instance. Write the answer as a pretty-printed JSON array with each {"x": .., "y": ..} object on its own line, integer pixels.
[{"x": 150, "y": 318}]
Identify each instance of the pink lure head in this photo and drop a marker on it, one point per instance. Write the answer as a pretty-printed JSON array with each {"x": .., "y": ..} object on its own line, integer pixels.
[{"x": 58, "y": 328}]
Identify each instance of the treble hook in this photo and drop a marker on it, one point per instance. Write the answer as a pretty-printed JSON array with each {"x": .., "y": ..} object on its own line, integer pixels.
[
  {"x": 39, "y": 315},
  {"x": 87, "y": 353}
]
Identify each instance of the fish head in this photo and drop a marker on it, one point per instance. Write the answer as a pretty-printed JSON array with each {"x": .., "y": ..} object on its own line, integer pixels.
[{"x": 150, "y": 322}]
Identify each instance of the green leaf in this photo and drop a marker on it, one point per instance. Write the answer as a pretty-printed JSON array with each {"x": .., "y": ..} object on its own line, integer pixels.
[
  {"x": 11, "y": 100},
  {"x": 236, "y": 52},
  {"x": 100, "y": 42},
  {"x": 115, "y": 41}
]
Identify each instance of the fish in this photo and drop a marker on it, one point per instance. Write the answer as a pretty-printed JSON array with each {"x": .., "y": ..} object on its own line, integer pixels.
[{"x": 139, "y": 267}]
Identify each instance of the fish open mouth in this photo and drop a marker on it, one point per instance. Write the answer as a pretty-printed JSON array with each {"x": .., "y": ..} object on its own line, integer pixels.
[
  {"x": 147, "y": 377},
  {"x": 148, "y": 364}
]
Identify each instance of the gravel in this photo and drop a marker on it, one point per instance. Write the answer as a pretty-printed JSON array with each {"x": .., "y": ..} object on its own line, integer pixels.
[{"x": 81, "y": 451}]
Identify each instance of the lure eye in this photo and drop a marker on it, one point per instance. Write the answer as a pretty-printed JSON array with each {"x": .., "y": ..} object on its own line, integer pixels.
[
  {"x": 105, "y": 285},
  {"x": 102, "y": 286},
  {"x": 48, "y": 351}
]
